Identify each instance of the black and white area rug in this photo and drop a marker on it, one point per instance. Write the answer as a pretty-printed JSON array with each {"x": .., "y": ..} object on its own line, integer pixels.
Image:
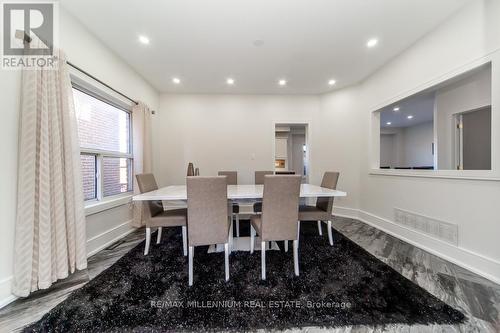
[{"x": 338, "y": 285}]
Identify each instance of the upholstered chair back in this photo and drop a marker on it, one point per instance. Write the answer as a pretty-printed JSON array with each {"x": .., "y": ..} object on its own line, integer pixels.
[
  {"x": 232, "y": 177},
  {"x": 259, "y": 176},
  {"x": 330, "y": 180},
  {"x": 280, "y": 207},
  {"x": 147, "y": 183},
  {"x": 207, "y": 210}
]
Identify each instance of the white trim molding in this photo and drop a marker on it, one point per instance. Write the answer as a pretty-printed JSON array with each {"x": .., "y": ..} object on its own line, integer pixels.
[
  {"x": 486, "y": 175},
  {"x": 94, "y": 207},
  {"x": 307, "y": 123},
  {"x": 94, "y": 245},
  {"x": 492, "y": 58},
  {"x": 486, "y": 267},
  {"x": 6, "y": 296},
  {"x": 108, "y": 237}
]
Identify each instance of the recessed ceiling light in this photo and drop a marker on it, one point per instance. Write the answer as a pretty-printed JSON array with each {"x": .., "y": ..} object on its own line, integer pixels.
[
  {"x": 396, "y": 109},
  {"x": 282, "y": 82},
  {"x": 388, "y": 123},
  {"x": 410, "y": 117},
  {"x": 331, "y": 82},
  {"x": 372, "y": 42},
  {"x": 230, "y": 81},
  {"x": 176, "y": 80},
  {"x": 144, "y": 40}
]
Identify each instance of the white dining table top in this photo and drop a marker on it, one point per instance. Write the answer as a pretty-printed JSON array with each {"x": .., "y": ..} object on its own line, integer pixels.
[{"x": 235, "y": 192}]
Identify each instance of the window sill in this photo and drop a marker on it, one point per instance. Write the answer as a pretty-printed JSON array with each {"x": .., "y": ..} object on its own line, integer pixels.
[
  {"x": 97, "y": 207},
  {"x": 450, "y": 174}
]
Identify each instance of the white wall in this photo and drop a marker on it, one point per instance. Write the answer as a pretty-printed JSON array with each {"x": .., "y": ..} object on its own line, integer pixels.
[
  {"x": 297, "y": 158},
  {"x": 473, "y": 92},
  {"x": 392, "y": 147},
  {"x": 469, "y": 36},
  {"x": 418, "y": 145},
  {"x": 387, "y": 150},
  {"x": 220, "y": 132},
  {"x": 87, "y": 52},
  {"x": 407, "y": 146},
  {"x": 235, "y": 132},
  {"x": 10, "y": 84}
]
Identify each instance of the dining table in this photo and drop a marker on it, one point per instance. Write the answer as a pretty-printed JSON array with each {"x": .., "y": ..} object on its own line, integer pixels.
[
  {"x": 235, "y": 193},
  {"x": 241, "y": 194}
]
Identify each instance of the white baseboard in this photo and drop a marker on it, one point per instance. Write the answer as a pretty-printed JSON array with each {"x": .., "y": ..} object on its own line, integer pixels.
[
  {"x": 488, "y": 268},
  {"x": 108, "y": 237},
  {"x": 474, "y": 262},
  {"x": 352, "y": 213},
  {"x": 94, "y": 245},
  {"x": 6, "y": 296}
]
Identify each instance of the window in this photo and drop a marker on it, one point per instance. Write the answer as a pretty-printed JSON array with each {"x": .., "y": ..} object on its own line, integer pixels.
[
  {"x": 105, "y": 146},
  {"x": 89, "y": 172},
  {"x": 445, "y": 127}
]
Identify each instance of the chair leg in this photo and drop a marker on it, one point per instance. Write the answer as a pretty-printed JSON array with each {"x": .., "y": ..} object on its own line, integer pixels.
[
  {"x": 252, "y": 238},
  {"x": 237, "y": 225},
  {"x": 158, "y": 237},
  {"x": 286, "y": 246},
  {"x": 296, "y": 256},
  {"x": 263, "y": 260},
  {"x": 231, "y": 237},
  {"x": 184, "y": 240},
  {"x": 320, "y": 231},
  {"x": 298, "y": 230},
  {"x": 330, "y": 236},
  {"x": 148, "y": 240},
  {"x": 226, "y": 260},
  {"x": 191, "y": 254}
]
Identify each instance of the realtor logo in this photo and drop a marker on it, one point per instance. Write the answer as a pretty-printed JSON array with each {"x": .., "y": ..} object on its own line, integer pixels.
[{"x": 28, "y": 34}]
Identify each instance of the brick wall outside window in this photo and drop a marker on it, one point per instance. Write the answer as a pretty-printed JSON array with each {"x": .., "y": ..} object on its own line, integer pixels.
[
  {"x": 103, "y": 127},
  {"x": 88, "y": 164}
]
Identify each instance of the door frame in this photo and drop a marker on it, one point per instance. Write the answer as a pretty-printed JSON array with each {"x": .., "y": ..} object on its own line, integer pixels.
[
  {"x": 458, "y": 136},
  {"x": 308, "y": 131}
]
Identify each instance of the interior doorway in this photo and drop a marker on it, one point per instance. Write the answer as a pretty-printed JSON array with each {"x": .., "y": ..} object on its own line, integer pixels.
[
  {"x": 291, "y": 149},
  {"x": 473, "y": 139}
]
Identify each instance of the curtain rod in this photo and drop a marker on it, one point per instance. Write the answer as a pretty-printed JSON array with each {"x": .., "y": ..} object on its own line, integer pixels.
[
  {"x": 27, "y": 39},
  {"x": 101, "y": 82}
]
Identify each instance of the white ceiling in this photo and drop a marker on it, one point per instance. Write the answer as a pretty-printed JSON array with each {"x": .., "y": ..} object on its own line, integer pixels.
[
  {"x": 420, "y": 106},
  {"x": 307, "y": 42}
]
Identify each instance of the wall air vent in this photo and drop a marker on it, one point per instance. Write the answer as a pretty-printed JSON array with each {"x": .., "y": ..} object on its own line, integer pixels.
[{"x": 441, "y": 230}]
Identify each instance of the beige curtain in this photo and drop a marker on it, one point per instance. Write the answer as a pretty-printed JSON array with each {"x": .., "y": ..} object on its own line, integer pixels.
[
  {"x": 50, "y": 238},
  {"x": 141, "y": 129}
]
